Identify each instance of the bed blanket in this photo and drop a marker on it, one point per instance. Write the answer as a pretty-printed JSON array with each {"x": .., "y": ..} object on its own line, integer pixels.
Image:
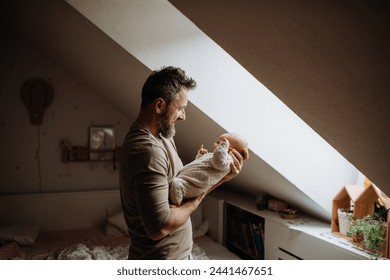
[{"x": 91, "y": 252}]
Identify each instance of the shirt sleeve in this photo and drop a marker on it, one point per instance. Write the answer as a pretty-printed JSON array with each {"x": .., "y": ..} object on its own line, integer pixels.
[{"x": 151, "y": 187}]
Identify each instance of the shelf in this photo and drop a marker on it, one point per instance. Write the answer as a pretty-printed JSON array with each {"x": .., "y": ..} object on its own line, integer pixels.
[
  {"x": 248, "y": 203},
  {"x": 84, "y": 154},
  {"x": 244, "y": 233},
  {"x": 291, "y": 235}
]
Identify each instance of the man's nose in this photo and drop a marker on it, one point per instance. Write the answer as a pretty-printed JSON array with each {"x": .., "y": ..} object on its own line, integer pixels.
[{"x": 182, "y": 116}]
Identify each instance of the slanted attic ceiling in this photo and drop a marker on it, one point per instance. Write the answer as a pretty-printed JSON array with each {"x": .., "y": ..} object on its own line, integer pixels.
[{"x": 329, "y": 61}]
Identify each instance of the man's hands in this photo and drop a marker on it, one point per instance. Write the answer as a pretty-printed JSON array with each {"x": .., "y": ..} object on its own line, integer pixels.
[
  {"x": 192, "y": 203},
  {"x": 235, "y": 167},
  {"x": 238, "y": 162},
  {"x": 179, "y": 215}
]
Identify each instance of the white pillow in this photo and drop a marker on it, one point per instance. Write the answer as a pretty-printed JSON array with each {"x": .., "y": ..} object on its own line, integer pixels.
[
  {"x": 199, "y": 226},
  {"x": 197, "y": 217},
  {"x": 201, "y": 229},
  {"x": 116, "y": 224},
  {"x": 21, "y": 234}
]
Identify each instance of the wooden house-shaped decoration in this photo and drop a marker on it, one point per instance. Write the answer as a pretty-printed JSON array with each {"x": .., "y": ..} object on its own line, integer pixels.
[
  {"x": 344, "y": 199},
  {"x": 365, "y": 204}
]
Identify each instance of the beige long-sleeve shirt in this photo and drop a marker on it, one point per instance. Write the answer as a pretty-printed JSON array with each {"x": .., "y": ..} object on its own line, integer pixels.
[{"x": 147, "y": 166}]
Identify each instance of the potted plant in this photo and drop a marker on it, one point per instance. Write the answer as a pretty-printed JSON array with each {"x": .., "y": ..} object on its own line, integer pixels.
[
  {"x": 375, "y": 235},
  {"x": 370, "y": 231},
  {"x": 356, "y": 232},
  {"x": 344, "y": 219}
]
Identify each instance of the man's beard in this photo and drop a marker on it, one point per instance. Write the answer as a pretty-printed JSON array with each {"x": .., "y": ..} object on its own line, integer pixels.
[{"x": 167, "y": 130}]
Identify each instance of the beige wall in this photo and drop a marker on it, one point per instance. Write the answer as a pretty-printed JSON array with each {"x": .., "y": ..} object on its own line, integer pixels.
[
  {"x": 73, "y": 110},
  {"x": 327, "y": 60},
  {"x": 109, "y": 71}
]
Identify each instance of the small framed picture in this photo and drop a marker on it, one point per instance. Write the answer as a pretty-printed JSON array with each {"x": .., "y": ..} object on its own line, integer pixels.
[{"x": 102, "y": 139}]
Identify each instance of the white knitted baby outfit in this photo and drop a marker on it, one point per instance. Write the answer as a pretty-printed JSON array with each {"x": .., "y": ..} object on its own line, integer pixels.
[{"x": 199, "y": 175}]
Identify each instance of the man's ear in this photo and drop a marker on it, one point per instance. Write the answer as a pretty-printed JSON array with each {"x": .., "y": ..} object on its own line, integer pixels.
[{"x": 159, "y": 105}]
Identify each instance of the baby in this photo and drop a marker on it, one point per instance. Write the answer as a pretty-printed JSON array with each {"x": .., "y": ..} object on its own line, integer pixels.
[{"x": 207, "y": 169}]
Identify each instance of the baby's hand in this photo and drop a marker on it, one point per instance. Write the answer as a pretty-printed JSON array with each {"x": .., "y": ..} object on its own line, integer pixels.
[{"x": 202, "y": 150}]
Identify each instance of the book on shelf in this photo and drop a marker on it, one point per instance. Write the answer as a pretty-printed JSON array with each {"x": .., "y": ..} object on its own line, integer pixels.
[
  {"x": 245, "y": 233},
  {"x": 249, "y": 245},
  {"x": 258, "y": 239},
  {"x": 251, "y": 238}
]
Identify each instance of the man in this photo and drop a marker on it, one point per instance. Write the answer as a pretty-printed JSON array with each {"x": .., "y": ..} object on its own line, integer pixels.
[{"x": 149, "y": 161}]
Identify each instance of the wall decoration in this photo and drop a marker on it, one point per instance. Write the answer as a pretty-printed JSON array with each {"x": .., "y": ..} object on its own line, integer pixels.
[
  {"x": 37, "y": 96},
  {"x": 102, "y": 139}
]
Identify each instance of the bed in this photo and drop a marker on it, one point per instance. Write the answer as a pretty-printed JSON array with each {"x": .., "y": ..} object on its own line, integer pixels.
[{"x": 87, "y": 226}]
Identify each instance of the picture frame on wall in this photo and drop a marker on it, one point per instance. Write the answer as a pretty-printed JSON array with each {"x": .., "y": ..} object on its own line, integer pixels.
[{"x": 101, "y": 139}]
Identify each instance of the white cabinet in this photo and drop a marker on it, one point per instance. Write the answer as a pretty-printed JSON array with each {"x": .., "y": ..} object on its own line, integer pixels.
[
  {"x": 302, "y": 238},
  {"x": 285, "y": 243}
]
